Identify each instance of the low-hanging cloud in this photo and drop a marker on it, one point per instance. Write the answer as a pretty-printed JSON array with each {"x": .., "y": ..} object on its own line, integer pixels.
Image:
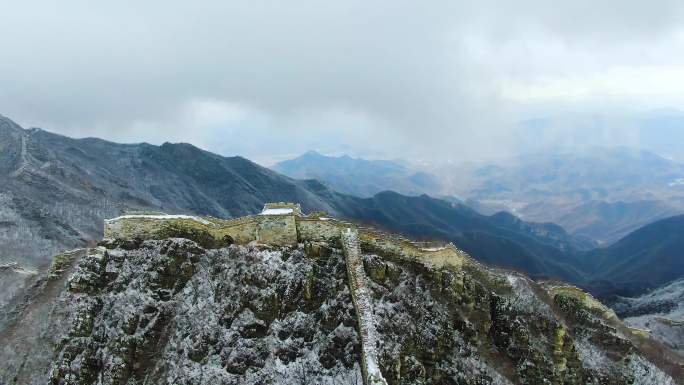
[{"x": 268, "y": 79}]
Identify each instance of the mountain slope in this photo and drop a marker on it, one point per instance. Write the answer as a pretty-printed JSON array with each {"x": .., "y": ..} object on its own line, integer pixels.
[
  {"x": 647, "y": 258},
  {"x": 661, "y": 312},
  {"x": 359, "y": 177},
  {"x": 539, "y": 250},
  {"x": 55, "y": 192},
  {"x": 608, "y": 222}
]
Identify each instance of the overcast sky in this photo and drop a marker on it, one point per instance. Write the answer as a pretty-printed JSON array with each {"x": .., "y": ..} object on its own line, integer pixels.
[{"x": 271, "y": 79}]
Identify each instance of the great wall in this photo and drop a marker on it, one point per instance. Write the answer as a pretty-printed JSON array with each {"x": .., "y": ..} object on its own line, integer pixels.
[
  {"x": 279, "y": 224},
  {"x": 284, "y": 224}
]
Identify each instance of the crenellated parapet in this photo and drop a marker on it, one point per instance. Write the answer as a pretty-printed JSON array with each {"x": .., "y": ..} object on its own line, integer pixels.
[{"x": 279, "y": 224}]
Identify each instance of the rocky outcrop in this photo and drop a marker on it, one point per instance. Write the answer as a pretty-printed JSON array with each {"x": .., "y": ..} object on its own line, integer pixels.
[
  {"x": 173, "y": 312},
  {"x": 349, "y": 307},
  {"x": 13, "y": 279},
  {"x": 33, "y": 322}
]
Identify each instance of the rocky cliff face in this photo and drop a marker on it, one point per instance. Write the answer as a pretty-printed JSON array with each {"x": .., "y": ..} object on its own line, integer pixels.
[
  {"x": 55, "y": 191},
  {"x": 158, "y": 311}
]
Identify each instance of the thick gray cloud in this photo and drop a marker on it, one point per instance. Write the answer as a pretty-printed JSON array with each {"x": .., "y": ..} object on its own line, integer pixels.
[{"x": 269, "y": 79}]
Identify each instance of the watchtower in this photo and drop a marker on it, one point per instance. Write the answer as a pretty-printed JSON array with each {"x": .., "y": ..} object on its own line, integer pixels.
[{"x": 277, "y": 224}]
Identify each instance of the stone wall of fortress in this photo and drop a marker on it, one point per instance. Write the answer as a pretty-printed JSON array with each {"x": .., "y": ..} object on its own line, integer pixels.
[
  {"x": 386, "y": 244},
  {"x": 242, "y": 230},
  {"x": 319, "y": 230},
  {"x": 277, "y": 230}
]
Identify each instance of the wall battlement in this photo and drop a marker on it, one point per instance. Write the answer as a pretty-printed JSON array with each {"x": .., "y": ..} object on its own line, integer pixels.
[{"x": 279, "y": 224}]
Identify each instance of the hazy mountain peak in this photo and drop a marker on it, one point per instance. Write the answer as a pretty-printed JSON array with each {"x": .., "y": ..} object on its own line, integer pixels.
[
  {"x": 358, "y": 176},
  {"x": 312, "y": 154}
]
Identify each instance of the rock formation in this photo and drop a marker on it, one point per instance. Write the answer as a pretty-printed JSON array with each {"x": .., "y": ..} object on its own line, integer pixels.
[{"x": 284, "y": 298}]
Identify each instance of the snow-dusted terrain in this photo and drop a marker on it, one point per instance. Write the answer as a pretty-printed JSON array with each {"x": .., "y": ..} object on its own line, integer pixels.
[
  {"x": 276, "y": 211},
  {"x": 340, "y": 311},
  {"x": 660, "y": 312}
]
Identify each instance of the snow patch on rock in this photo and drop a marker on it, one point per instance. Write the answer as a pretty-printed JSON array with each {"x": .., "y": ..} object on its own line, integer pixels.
[{"x": 281, "y": 211}]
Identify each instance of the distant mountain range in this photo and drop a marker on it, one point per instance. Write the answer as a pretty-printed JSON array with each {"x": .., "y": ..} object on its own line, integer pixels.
[
  {"x": 607, "y": 222},
  {"x": 541, "y": 250},
  {"x": 55, "y": 192},
  {"x": 645, "y": 259},
  {"x": 359, "y": 177},
  {"x": 600, "y": 193}
]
